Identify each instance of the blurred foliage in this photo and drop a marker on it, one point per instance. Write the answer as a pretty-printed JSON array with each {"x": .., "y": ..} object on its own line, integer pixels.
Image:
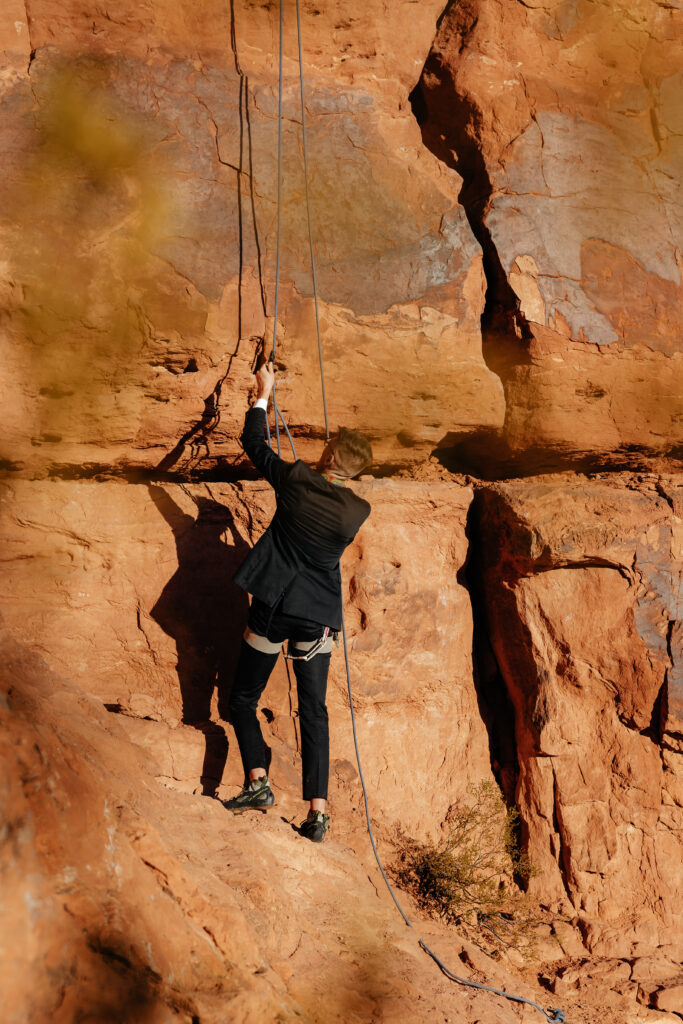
[
  {"x": 87, "y": 199},
  {"x": 468, "y": 877}
]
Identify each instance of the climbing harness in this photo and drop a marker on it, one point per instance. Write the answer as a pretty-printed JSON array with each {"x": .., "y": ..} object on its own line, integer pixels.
[
  {"x": 316, "y": 647},
  {"x": 553, "y": 1016}
]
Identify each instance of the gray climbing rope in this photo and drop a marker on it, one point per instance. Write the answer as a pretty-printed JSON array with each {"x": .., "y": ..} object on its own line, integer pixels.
[
  {"x": 279, "y": 228},
  {"x": 308, "y": 217},
  {"x": 276, "y": 410},
  {"x": 554, "y": 1016}
]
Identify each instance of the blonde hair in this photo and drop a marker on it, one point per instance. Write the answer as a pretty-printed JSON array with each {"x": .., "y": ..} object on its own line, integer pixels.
[{"x": 352, "y": 452}]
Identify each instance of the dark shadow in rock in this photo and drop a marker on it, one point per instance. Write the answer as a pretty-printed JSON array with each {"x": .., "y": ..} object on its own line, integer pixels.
[
  {"x": 450, "y": 124},
  {"x": 117, "y": 984},
  {"x": 205, "y": 613},
  {"x": 495, "y": 706},
  {"x": 486, "y": 454}
]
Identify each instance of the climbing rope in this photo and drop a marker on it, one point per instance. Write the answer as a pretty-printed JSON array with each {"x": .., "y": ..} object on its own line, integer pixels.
[
  {"x": 279, "y": 229},
  {"x": 555, "y": 1016},
  {"x": 278, "y": 246},
  {"x": 308, "y": 217}
]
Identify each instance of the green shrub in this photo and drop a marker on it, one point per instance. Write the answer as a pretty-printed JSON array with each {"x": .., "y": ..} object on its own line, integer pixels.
[{"x": 469, "y": 877}]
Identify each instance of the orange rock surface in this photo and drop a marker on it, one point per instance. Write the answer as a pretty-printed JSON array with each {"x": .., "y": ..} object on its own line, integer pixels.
[
  {"x": 135, "y": 603},
  {"x": 125, "y": 901},
  {"x": 126, "y": 589},
  {"x": 583, "y": 585},
  {"x": 564, "y": 119},
  {"x": 495, "y": 207},
  {"x": 147, "y": 899},
  {"x": 164, "y": 140}
]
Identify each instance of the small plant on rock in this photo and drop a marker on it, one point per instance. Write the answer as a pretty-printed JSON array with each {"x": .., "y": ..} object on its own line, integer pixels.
[{"x": 468, "y": 878}]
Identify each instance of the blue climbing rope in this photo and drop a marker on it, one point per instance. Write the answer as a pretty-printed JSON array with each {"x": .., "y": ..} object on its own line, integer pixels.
[{"x": 554, "y": 1016}]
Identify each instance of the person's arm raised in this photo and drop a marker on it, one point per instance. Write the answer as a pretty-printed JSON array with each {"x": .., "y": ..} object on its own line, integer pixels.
[
  {"x": 268, "y": 463},
  {"x": 265, "y": 379}
]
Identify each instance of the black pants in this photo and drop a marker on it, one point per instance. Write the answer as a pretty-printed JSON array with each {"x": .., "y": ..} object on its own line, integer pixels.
[{"x": 253, "y": 671}]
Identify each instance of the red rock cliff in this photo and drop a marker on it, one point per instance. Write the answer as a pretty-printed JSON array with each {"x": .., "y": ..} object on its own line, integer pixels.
[{"x": 494, "y": 194}]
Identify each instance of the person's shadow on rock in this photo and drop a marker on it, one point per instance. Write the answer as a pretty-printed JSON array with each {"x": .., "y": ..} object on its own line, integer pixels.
[{"x": 205, "y": 613}]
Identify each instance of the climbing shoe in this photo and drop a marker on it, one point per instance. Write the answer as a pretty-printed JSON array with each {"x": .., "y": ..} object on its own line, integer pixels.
[
  {"x": 315, "y": 826},
  {"x": 256, "y": 795}
]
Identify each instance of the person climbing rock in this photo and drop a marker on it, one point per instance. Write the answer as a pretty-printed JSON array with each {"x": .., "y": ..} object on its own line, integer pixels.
[{"x": 294, "y": 578}]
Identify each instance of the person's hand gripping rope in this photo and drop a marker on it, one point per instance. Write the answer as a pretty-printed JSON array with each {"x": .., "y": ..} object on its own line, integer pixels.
[{"x": 265, "y": 379}]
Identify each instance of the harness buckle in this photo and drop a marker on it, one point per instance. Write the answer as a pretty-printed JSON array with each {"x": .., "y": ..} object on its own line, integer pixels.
[{"x": 311, "y": 653}]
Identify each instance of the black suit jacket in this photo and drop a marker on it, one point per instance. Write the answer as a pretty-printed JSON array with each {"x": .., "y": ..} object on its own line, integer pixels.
[{"x": 295, "y": 564}]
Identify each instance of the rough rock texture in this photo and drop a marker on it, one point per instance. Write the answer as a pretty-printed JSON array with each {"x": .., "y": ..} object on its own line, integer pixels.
[
  {"x": 159, "y": 131},
  {"x": 564, "y": 119},
  {"x": 583, "y": 584},
  {"x": 157, "y": 905},
  {"x": 122, "y": 901},
  {"x": 499, "y": 296},
  {"x": 127, "y": 590}
]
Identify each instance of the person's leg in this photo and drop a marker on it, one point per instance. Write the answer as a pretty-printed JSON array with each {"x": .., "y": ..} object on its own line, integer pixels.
[
  {"x": 253, "y": 671},
  {"x": 258, "y": 654},
  {"x": 311, "y": 679}
]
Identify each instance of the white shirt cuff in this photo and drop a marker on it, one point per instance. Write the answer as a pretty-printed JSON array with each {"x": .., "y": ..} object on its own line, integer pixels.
[{"x": 261, "y": 403}]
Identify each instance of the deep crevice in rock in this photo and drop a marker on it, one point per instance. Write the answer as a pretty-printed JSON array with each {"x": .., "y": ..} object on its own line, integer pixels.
[
  {"x": 655, "y": 729},
  {"x": 563, "y": 861},
  {"x": 495, "y": 705},
  {"x": 449, "y": 124},
  {"x": 486, "y": 454}
]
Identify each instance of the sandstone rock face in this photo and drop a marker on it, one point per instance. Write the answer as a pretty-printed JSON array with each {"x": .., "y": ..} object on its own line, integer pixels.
[
  {"x": 128, "y": 590},
  {"x": 152, "y": 905},
  {"x": 499, "y": 293},
  {"x": 583, "y": 590},
  {"x": 147, "y": 146},
  {"x": 564, "y": 120}
]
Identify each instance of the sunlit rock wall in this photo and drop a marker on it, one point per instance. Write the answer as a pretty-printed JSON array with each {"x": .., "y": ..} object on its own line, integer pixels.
[
  {"x": 140, "y": 217},
  {"x": 564, "y": 119},
  {"x": 126, "y": 589},
  {"x": 494, "y": 203},
  {"x": 128, "y": 592},
  {"x": 584, "y": 592}
]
